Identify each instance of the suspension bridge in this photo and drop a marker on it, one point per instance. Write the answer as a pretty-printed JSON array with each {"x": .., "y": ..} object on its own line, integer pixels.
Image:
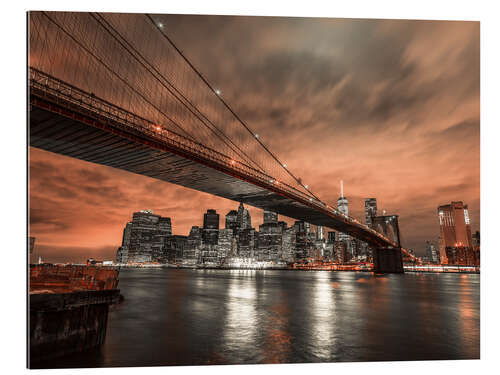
[{"x": 115, "y": 90}]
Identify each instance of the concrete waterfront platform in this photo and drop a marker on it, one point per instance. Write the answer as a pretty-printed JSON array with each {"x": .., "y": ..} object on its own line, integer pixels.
[{"x": 64, "y": 323}]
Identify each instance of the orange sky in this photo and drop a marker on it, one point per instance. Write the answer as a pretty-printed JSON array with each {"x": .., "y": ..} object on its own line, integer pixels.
[{"x": 390, "y": 107}]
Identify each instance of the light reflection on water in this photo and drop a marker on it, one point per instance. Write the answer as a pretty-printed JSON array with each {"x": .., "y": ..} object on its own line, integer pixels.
[
  {"x": 322, "y": 322},
  {"x": 240, "y": 325},
  {"x": 191, "y": 317}
]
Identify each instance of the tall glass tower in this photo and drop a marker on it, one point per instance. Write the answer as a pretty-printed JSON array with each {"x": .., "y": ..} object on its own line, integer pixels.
[{"x": 343, "y": 206}]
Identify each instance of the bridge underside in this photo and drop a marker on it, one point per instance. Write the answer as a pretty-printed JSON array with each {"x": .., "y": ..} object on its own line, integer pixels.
[{"x": 64, "y": 135}]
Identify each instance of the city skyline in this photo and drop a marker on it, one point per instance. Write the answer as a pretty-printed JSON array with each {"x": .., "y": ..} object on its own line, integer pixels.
[{"x": 415, "y": 124}]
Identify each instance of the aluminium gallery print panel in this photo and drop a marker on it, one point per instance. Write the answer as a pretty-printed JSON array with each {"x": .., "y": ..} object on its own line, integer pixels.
[{"x": 212, "y": 189}]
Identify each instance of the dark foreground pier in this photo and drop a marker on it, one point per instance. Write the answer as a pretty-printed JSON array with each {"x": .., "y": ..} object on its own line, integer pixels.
[{"x": 68, "y": 309}]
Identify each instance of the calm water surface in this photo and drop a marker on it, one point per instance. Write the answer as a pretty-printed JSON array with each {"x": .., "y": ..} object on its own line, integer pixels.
[{"x": 194, "y": 317}]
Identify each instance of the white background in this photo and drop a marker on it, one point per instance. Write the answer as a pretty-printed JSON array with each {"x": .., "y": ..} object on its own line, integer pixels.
[{"x": 13, "y": 173}]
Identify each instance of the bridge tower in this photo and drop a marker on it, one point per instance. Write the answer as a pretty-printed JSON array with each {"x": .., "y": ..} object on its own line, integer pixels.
[{"x": 387, "y": 259}]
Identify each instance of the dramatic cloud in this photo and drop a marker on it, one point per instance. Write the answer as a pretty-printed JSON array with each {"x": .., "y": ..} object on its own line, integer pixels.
[{"x": 390, "y": 107}]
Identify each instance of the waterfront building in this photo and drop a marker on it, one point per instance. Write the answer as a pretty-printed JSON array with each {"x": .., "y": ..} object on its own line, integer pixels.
[
  {"x": 122, "y": 254},
  {"x": 173, "y": 249},
  {"x": 456, "y": 245},
  {"x": 244, "y": 218},
  {"x": 370, "y": 210},
  {"x": 288, "y": 244},
  {"x": 319, "y": 233},
  {"x": 192, "y": 250},
  {"x": 432, "y": 252},
  {"x": 143, "y": 238},
  {"x": 232, "y": 221},
  {"x": 476, "y": 240},
  {"x": 331, "y": 237},
  {"x": 302, "y": 240},
  {"x": 226, "y": 244},
  {"x": 343, "y": 206},
  {"x": 246, "y": 242},
  {"x": 210, "y": 227},
  {"x": 270, "y": 244},
  {"x": 329, "y": 253},
  {"x": 270, "y": 217},
  {"x": 307, "y": 227},
  {"x": 31, "y": 244},
  {"x": 283, "y": 224},
  {"x": 340, "y": 251},
  {"x": 317, "y": 249},
  {"x": 270, "y": 238}
]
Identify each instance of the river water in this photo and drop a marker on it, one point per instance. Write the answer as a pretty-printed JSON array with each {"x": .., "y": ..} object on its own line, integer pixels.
[{"x": 198, "y": 317}]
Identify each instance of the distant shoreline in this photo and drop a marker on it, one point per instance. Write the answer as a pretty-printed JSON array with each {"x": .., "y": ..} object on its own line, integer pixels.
[{"x": 294, "y": 269}]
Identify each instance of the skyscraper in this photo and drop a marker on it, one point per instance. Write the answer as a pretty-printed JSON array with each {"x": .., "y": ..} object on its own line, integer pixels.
[
  {"x": 192, "y": 250},
  {"x": 370, "y": 210},
  {"x": 210, "y": 227},
  {"x": 270, "y": 217},
  {"x": 270, "y": 242},
  {"x": 288, "y": 244},
  {"x": 301, "y": 240},
  {"x": 331, "y": 237},
  {"x": 143, "y": 238},
  {"x": 431, "y": 252},
  {"x": 244, "y": 217},
  {"x": 226, "y": 244},
  {"x": 173, "y": 250},
  {"x": 319, "y": 233},
  {"x": 232, "y": 221},
  {"x": 307, "y": 227},
  {"x": 456, "y": 245},
  {"x": 342, "y": 205}
]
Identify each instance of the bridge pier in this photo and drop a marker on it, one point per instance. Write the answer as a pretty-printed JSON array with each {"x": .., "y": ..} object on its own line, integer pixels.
[{"x": 387, "y": 260}]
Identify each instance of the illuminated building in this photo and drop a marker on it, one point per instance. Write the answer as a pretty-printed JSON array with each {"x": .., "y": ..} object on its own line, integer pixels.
[
  {"x": 476, "y": 239},
  {"x": 318, "y": 249},
  {"x": 31, "y": 244},
  {"x": 302, "y": 240},
  {"x": 232, "y": 221},
  {"x": 210, "y": 227},
  {"x": 307, "y": 227},
  {"x": 244, "y": 217},
  {"x": 319, "y": 233},
  {"x": 331, "y": 237},
  {"x": 270, "y": 238},
  {"x": 370, "y": 210},
  {"x": 288, "y": 244},
  {"x": 431, "y": 252},
  {"x": 226, "y": 244},
  {"x": 247, "y": 243},
  {"x": 173, "y": 248},
  {"x": 209, "y": 254},
  {"x": 343, "y": 206},
  {"x": 328, "y": 252},
  {"x": 456, "y": 245},
  {"x": 270, "y": 217},
  {"x": 210, "y": 237},
  {"x": 143, "y": 238},
  {"x": 192, "y": 250},
  {"x": 340, "y": 251}
]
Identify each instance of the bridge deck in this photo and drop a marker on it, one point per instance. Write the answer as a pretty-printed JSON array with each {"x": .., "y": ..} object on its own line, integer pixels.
[{"x": 61, "y": 123}]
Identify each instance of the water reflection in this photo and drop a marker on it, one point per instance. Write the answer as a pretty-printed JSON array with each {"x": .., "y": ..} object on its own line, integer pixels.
[
  {"x": 240, "y": 327},
  {"x": 194, "y": 317},
  {"x": 278, "y": 341},
  {"x": 322, "y": 323}
]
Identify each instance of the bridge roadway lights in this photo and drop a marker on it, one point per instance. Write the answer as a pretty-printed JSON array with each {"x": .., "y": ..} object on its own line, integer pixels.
[{"x": 387, "y": 260}]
